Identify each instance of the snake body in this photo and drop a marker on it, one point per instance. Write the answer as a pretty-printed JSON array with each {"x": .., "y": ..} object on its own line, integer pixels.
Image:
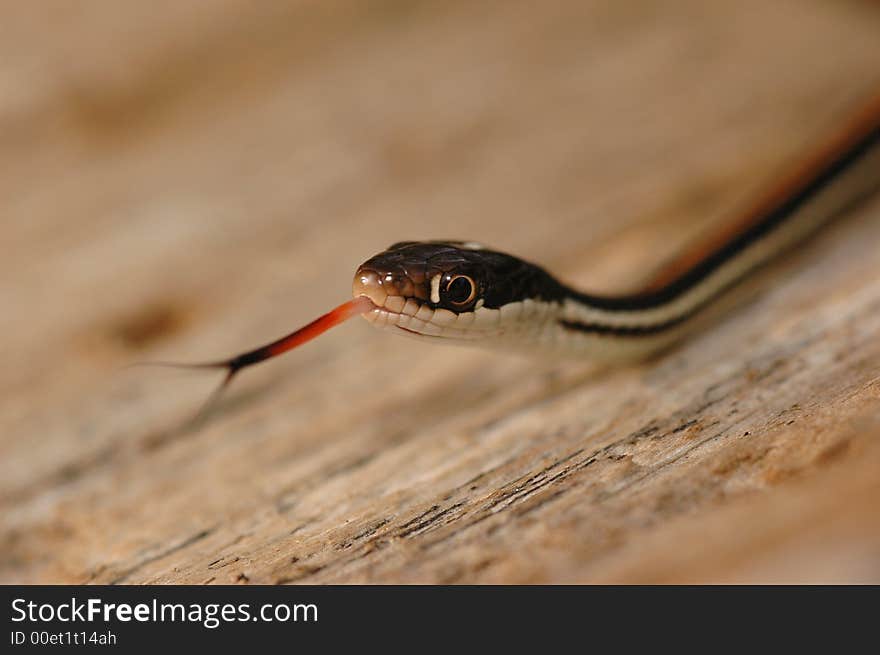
[{"x": 464, "y": 292}]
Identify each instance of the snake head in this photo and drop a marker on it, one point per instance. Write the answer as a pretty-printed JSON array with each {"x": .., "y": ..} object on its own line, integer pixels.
[{"x": 455, "y": 289}]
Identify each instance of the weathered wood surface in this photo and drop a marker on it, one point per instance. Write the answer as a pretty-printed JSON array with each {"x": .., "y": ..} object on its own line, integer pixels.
[{"x": 187, "y": 182}]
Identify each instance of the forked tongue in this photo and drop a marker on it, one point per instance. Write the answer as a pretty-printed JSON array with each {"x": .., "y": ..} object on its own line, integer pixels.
[{"x": 233, "y": 365}]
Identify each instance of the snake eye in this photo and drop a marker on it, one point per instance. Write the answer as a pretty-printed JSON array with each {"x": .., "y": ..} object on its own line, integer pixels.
[{"x": 460, "y": 290}]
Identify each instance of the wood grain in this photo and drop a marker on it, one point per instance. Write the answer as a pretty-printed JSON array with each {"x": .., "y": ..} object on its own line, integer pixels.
[{"x": 184, "y": 182}]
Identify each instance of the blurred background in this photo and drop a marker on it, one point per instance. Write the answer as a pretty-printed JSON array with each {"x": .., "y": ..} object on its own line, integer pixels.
[{"x": 185, "y": 180}]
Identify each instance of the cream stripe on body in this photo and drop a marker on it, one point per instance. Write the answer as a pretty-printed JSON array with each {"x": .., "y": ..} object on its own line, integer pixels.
[
  {"x": 861, "y": 179},
  {"x": 534, "y": 326}
]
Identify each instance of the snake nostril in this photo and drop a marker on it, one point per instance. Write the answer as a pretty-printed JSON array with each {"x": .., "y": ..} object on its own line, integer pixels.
[
  {"x": 367, "y": 279},
  {"x": 367, "y": 283},
  {"x": 379, "y": 285},
  {"x": 399, "y": 284}
]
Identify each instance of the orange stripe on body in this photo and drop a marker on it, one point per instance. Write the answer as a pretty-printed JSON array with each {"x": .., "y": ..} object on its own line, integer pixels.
[{"x": 867, "y": 120}]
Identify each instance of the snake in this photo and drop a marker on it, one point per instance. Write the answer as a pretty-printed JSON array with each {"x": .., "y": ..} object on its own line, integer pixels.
[{"x": 462, "y": 292}]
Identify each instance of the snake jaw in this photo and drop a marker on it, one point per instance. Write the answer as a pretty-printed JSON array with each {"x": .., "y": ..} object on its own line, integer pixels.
[
  {"x": 393, "y": 308},
  {"x": 412, "y": 318},
  {"x": 385, "y": 292}
]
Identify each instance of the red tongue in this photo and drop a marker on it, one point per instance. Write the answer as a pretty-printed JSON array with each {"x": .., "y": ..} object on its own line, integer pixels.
[
  {"x": 319, "y": 326},
  {"x": 334, "y": 317},
  {"x": 233, "y": 365}
]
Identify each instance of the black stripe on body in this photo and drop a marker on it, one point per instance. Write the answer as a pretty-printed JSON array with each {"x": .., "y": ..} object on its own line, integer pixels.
[
  {"x": 774, "y": 218},
  {"x": 644, "y": 330}
]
